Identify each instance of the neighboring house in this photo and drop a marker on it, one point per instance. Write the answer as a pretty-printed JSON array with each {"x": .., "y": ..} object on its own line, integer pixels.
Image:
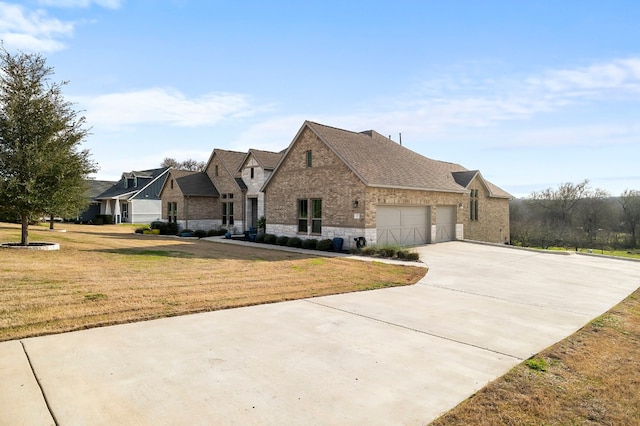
[
  {"x": 95, "y": 188},
  {"x": 135, "y": 198},
  {"x": 337, "y": 183},
  {"x": 255, "y": 169},
  {"x": 190, "y": 200}
]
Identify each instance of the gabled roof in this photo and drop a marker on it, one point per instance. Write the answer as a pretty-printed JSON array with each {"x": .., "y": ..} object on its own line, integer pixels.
[
  {"x": 266, "y": 159},
  {"x": 118, "y": 190},
  {"x": 231, "y": 161},
  {"x": 464, "y": 179},
  {"x": 196, "y": 184},
  {"x": 97, "y": 187},
  {"x": 380, "y": 162}
]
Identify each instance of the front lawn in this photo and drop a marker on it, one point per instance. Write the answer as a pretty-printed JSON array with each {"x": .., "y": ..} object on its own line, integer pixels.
[{"x": 106, "y": 275}]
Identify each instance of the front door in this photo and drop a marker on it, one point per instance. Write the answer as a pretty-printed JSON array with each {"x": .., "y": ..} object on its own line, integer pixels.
[{"x": 254, "y": 213}]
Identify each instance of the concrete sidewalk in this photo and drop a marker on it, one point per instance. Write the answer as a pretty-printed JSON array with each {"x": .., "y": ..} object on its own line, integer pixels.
[{"x": 392, "y": 356}]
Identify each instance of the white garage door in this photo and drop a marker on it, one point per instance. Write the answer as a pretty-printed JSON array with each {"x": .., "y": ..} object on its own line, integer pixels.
[
  {"x": 403, "y": 226},
  {"x": 445, "y": 223}
]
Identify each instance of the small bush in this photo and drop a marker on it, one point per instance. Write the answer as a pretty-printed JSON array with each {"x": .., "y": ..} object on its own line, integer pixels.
[
  {"x": 140, "y": 230},
  {"x": 282, "y": 240},
  {"x": 269, "y": 239},
  {"x": 402, "y": 254},
  {"x": 294, "y": 242},
  {"x": 171, "y": 229},
  {"x": 259, "y": 238},
  {"x": 200, "y": 233},
  {"x": 387, "y": 251},
  {"x": 325, "y": 245},
  {"x": 369, "y": 250},
  {"x": 212, "y": 233},
  {"x": 537, "y": 364},
  {"x": 310, "y": 244},
  {"x": 413, "y": 257}
]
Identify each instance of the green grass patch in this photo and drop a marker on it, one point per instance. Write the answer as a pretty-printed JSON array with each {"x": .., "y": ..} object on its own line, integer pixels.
[{"x": 537, "y": 364}]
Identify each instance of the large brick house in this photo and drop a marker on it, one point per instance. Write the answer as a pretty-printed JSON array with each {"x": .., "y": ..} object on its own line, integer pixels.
[{"x": 338, "y": 183}]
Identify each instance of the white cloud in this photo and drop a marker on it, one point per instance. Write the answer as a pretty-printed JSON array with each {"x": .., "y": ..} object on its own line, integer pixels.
[
  {"x": 164, "y": 106},
  {"x": 109, "y": 4},
  {"x": 31, "y": 30}
]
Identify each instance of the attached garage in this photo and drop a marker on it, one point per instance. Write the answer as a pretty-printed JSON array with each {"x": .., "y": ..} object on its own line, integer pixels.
[
  {"x": 403, "y": 225},
  {"x": 445, "y": 223}
]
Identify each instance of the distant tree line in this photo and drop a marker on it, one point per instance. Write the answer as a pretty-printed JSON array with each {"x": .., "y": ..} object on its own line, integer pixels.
[
  {"x": 576, "y": 216},
  {"x": 188, "y": 164}
]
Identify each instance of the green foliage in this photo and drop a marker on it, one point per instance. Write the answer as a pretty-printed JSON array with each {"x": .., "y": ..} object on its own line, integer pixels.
[
  {"x": 413, "y": 256},
  {"x": 282, "y": 240},
  {"x": 537, "y": 364},
  {"x": 165, "y": 228},
  {"x": 402, "y": 254},
  {"x": 42, "y": 169},
  {"x": 269, "y": 239},
  {"x": 200, "y": 233},
  {"x": 259, "y": 238},
  {"x": 294, "y": 242},
  {"x": 262, "y": 224},
  {"x": 310, "y": 244},
  {"x": 325, "y": 245}
]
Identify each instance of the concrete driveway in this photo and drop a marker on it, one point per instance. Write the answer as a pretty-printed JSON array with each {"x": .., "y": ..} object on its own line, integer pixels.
[{"x": 393, "y": 356}]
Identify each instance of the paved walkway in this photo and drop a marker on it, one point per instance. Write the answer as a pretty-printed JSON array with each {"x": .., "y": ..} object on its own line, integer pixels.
[{"x": 393, "y": 356}]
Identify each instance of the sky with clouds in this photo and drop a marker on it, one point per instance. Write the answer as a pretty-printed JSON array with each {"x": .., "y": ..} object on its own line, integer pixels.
[{"x": 533, "y": 94}]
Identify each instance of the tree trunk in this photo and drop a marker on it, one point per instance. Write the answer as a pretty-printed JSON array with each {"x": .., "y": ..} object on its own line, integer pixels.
[
  {"x": 51, "y": 222},
  {"x": 24, "y": 240}
]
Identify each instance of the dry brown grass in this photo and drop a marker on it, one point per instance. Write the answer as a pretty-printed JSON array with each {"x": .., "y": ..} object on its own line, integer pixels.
[
  {"x": 590, "y": 378},
  {"x": 108, "y": 275}
]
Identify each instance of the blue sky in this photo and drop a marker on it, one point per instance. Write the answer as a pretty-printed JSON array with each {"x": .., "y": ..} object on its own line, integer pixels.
[{"x": 533, "y": 94}]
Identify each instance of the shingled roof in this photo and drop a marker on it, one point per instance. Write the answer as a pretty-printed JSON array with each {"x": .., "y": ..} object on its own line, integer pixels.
[
  {"x": 380, "y": 162},
  {"x": 268, "y": 160},
  {"x": 196, "y": 184},
  {"x": 119, "y": 189}
]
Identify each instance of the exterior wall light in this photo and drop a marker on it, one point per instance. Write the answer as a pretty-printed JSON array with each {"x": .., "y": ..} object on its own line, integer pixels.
[{"x": 355, "y": 204}]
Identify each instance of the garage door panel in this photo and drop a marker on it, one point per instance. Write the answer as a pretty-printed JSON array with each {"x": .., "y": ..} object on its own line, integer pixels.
[
  {"x": 445, "y": 223},
  {"x": 402, "y": 225}
]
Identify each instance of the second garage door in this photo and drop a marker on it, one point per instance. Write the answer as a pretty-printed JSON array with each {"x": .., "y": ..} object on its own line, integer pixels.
[
  {"x": 404, "y": 226},
  {"x": 445, "y": 223}
]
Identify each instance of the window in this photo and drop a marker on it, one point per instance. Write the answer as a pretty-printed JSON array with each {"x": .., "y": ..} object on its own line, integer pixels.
[
  {"x": 313, "y": 218},
  {"x": 309, "y": 159},
  {"x": 172, "y": 211},
  {"x": 171, "y": 183},
  {"x": 303, "y": 215},
  {"x": 316, "y": 216},
  {"x": 216, "y": 170},
  {"x": 227, "y": 209},
  {"x": 473, "y": 205},
  {"x": 252, "y": 173}
]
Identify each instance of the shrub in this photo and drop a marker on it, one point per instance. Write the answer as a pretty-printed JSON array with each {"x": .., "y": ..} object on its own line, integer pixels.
[
  {"x": 260, "y": 238},
  {"x": 140, "y": 230},
  {"x": 413, "y": 256},
  {"x": 269, "y": 239},
  {"x": 212, "y": 233},
  {"x": 161, "y": 226},
  {"x": 294, "y": 242},
  {"x": 325, "y": 245},
  {"x": 282, "y": 240},
  {"x": 172, "y": 229},
  {"x": 200, "y": 233},
  {"x": 387, "y": 251},
  {"x": 310, "y": 244},
  {"x": 369, "y": 250},
  {"x": 402, "y": 254}
]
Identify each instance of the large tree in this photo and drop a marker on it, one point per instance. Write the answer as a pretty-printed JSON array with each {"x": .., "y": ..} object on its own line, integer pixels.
[
  {"x": 188, "y": 164},
  {"x": 42, "y": 168}
]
